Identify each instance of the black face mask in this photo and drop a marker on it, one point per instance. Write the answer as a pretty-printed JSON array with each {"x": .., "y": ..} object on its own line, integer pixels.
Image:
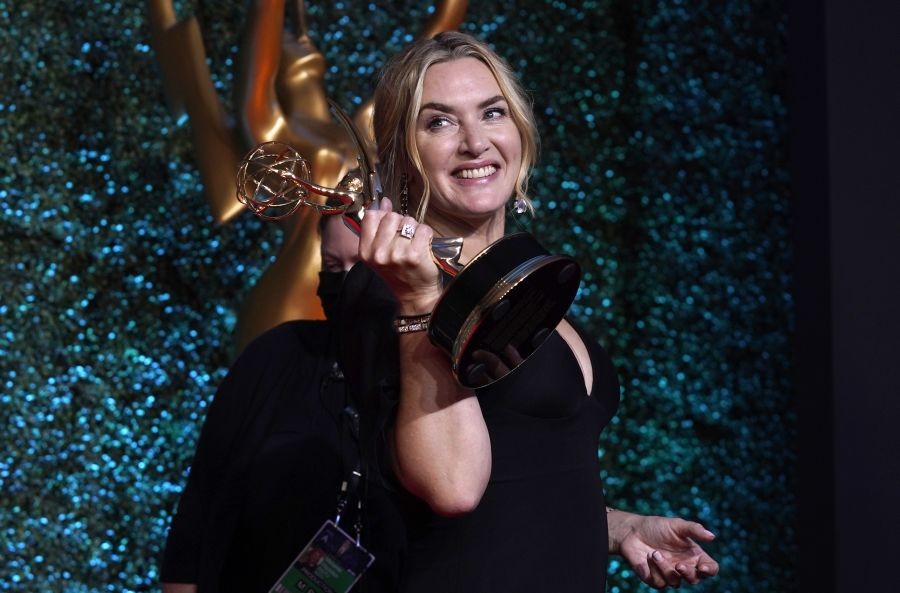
[{"x": 329, "y": 291}]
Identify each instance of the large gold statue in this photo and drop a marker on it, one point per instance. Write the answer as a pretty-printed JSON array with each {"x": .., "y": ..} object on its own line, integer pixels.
[{"x": 279, "y": 96}]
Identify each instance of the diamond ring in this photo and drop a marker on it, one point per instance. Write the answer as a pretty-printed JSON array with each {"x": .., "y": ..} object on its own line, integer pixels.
[{"x": 407, "y": 231}]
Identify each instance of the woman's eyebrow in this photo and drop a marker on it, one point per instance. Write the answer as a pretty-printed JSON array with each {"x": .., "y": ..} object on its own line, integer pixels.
[
  {"x": 436, "y": 107},
  {"x": 448, "y": 109},
  {"x": 491, "y": 101}
]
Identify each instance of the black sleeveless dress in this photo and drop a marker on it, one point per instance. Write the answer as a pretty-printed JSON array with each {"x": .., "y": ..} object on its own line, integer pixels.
[{"x": 541, "y": 524}]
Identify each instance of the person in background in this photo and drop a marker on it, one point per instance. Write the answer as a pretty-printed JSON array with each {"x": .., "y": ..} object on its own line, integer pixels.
[{"x": 277, "y": 443}]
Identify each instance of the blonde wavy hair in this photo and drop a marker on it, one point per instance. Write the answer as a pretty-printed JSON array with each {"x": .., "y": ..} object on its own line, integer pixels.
[{"x": 398, "y": 99}]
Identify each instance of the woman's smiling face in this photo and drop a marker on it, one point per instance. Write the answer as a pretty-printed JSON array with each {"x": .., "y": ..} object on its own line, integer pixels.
[{"x": 469, "y": 144}]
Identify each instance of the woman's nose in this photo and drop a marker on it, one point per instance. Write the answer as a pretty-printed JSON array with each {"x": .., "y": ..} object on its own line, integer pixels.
[{"x": 474, "y": 141}]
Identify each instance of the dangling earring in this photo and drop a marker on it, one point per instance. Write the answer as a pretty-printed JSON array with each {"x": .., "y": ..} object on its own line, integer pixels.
[
  {"x": 404, "y": 195},
  {"x": 520, "y": 205}
]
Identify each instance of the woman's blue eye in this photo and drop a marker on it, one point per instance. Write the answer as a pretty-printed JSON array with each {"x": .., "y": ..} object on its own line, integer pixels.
[{"x": 495, "y": 113}]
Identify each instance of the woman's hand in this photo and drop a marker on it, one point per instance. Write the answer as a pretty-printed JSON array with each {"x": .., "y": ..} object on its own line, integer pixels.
[
  {"x": 663, "y": 551},
  {"x": 405, "y": 264}
]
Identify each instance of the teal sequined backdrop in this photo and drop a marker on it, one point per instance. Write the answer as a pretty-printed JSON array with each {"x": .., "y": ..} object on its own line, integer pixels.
[{"x": 663, "y": 172}]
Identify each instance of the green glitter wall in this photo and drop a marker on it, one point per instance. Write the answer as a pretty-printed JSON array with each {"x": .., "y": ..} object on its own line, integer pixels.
[{"x": 663, "y": 172}]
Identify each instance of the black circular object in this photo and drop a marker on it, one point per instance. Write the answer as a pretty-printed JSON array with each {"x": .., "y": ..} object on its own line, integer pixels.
[{"x": 501, "y": 307}]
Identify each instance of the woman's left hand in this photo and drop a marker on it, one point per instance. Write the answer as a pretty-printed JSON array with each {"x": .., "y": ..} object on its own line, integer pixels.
[
  {"x": 663, "y": 551},
  {"x": 403, "y": 261}
]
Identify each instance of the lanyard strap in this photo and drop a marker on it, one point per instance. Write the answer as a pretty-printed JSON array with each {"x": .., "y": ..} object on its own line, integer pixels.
[{"x": 350, "y": 484}]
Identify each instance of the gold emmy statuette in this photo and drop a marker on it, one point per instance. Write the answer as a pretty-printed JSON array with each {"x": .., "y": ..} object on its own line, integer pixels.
[{"x": 279, "y": 97}]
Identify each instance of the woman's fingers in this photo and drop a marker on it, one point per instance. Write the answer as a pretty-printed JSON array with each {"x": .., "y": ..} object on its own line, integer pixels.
[
  {"x": 663, "y": 569},
  {"x": 385, "y": 238},
  {"x": 688, "y": 573},
  {"x": 369, "y": 226}
]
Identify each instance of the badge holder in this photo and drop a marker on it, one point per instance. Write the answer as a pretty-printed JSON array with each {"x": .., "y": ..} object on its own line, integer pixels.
[{"x": 331, "y": 562}]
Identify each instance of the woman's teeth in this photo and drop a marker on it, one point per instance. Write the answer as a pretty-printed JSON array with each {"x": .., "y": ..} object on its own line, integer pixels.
[{"x": 476, "y": 173}]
